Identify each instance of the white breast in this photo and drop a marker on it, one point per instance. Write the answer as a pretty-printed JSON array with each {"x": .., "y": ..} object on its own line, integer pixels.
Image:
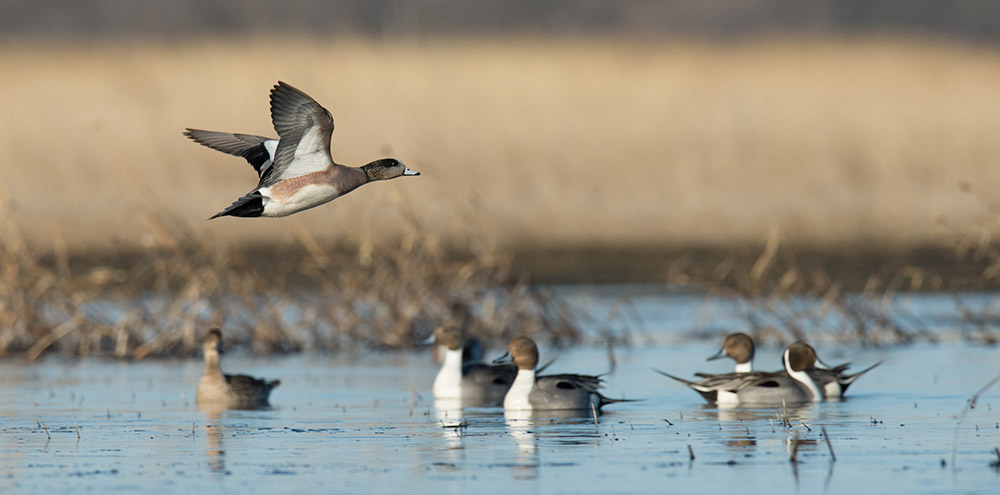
[
  {"x": 448, "y": 383},
  {"x": 517, "y": 397},
  {"x": 305, "y": 197}
]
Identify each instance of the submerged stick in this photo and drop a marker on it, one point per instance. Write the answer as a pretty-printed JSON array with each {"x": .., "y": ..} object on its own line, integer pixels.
[
  {"x": 829, "y": 445},
  {"x": 795, "y": 449}
]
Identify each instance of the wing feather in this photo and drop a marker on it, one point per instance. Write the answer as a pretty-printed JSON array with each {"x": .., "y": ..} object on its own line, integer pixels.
[{"x": 304, "y": 130}]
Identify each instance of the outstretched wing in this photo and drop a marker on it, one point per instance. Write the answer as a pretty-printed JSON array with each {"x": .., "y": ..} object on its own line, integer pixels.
[
  {"x": 304, "y": 130},
  {"x": 258, "y": 150}
]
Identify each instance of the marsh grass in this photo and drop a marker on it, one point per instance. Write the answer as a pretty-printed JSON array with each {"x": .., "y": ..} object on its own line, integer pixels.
[{"x": 386, "y": 296}]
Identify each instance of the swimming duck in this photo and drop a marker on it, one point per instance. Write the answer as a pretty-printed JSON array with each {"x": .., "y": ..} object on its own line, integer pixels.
[
  {"x": 535, "y": 393},
  {"x": 800, "y": 381},
  {"x": 793, "y": 385},
  {"x": 474, "y": 383},
  {"x": 234, "y": 391},
  {"x": 296, "y": 171}
]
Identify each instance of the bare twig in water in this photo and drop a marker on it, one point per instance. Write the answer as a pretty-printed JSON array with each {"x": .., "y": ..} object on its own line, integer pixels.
[
  {"x": 981, "y": 391},
  {"x": 413, "y": 393},
  {"x": 612, "y": 361},
  {"x": 793, "y": 458},
  {"x": 833, "y": 457},
  {"x": 961, "y": 417}
]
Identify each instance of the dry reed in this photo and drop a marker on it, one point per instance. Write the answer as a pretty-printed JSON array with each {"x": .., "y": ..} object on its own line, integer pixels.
[{"x": 162, "y": 303}]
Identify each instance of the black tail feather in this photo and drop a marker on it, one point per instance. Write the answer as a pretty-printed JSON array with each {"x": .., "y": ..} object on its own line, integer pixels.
[
  {"x": 849, "y": 379},
  {"x": 251, "y": 205}
]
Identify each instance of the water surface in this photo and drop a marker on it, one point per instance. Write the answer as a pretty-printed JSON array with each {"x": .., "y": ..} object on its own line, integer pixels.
[{"x": 366, "y": 423}]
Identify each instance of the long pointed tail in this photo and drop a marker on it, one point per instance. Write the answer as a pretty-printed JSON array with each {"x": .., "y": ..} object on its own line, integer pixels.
[
  {"x": 709, "y": 394},
  {"x": 847, "y": 380},
  {"x": 607, "y": 400}
]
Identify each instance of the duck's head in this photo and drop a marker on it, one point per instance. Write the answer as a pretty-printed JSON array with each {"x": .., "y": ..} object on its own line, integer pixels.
[
  {"x": 738, "y": 346},
  {"x": 799, "y": 356},
  {"x": 386, "y": 168},
  {"x": 449, "y": 336},
  {"x": 213, "y": 342},
  {"x": 523, "y": 352}
]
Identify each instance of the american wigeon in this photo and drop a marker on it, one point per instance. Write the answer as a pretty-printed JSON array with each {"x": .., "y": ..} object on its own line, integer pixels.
[
  {"x": 233, "y": 391},
  {"x": 550, "y": 392},
  {"x": 296, "y": 171}
]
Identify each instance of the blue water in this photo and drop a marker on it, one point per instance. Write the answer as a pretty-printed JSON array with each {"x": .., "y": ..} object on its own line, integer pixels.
[{"x": 366, "y": 423}]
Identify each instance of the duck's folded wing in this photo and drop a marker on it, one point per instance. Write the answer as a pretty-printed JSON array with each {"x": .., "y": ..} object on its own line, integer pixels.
[
  {"x": 304, "y": 130},
  {"x": 774, "y": 379},
  {"x": 249, "y": 387},
  {"x": 496, "y": 374},
  {"x": 729, "y": 381},
  {"x": 572, "y": 381}
]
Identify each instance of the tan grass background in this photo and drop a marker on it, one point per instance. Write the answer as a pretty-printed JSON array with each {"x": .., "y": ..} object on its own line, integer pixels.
[{"x": 867, "y": 142}]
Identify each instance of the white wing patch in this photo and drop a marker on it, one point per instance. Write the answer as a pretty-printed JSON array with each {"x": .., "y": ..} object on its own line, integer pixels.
[
  {"x": 271, "y": 145},
  {"x": 310, "y": 155}
]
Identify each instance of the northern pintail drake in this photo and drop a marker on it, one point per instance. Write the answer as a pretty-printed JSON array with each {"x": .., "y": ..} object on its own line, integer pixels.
[
  {"x": 473, "y": 383},
  {"x": 550, "y": 392},
  {"x": 738, "y": 347},
  {"x": 715, "y": 387},
  {"x": 800, "y": 381},
  {"x": 234, "y": 391},
  {"x": 296, "y": 171}
]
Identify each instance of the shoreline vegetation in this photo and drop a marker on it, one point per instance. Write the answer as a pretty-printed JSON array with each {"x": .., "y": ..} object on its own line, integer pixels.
[{"x": 842, "y": 170}]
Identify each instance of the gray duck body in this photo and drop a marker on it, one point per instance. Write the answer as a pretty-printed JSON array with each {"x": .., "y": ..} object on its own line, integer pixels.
[{"x": 231, "y": 391}]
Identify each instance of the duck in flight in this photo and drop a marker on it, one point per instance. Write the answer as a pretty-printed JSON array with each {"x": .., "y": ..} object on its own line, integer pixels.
[{"x": 296, "y": 171}]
